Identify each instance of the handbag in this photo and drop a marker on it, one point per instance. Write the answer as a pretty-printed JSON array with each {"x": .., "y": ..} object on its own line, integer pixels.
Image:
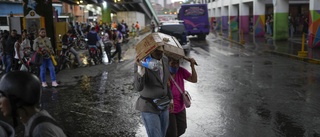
[
  {"x": 23, "y": 68},
  {"x": 159, "y": 103},
  {"x": 185, "y": 95},
  {"x": 36, "y": 59}
]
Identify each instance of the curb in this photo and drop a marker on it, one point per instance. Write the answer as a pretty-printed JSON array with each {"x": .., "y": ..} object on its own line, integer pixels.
[
  {"x": 309, "y": 60},
  {"x": 305, "y": 59},
  {"x": 236, "y": 42}
]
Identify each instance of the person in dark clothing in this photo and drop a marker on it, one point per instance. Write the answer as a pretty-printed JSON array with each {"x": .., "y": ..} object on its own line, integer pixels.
[
  {"x": 3, "y": 41},
  {"x": 31, "y": 38},
  {"x": 119, "y": 27},
  {"x": 117, "y": 38},
  {"x": 8, "y": 52},
  {"x": 93, "y": 38},
  {"x": 66, "y": 40},
  {"x": 153, "y": 27}
]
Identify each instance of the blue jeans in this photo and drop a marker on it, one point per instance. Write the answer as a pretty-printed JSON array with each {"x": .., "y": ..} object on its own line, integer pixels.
[
  {"x": 156, "y": 124},
  {"x": 118, "y": 50},
  {"x": 47, "y": 63},
  {"x": 7, "y": 60}
]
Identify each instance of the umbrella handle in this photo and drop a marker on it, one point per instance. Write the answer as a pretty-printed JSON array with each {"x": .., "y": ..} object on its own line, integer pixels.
[{"x": 188, "y": 59}]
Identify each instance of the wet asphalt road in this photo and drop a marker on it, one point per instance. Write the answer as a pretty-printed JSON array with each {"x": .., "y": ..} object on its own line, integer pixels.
[{"x": 240, "y": 93}]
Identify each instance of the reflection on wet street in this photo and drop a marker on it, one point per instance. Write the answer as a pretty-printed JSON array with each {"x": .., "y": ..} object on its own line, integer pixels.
[
  {"x": 243, "y": 91},
  {"x": 96, "y": 106}
]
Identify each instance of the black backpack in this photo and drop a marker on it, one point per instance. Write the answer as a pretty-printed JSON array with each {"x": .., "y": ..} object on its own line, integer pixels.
[{"x": 42, "y": 119}]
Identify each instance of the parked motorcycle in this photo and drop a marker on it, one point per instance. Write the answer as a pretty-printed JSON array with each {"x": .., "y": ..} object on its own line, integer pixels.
[
  {"x": 125, "y": 36},
  {"x": 65, "y": 58},
  {"x": 95, "y": 55},
  {"x": 79, "y": 42}
]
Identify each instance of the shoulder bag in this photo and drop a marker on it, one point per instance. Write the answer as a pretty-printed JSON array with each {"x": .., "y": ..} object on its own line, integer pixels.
[
  {"x": 36, "y": 59},
  {"x": 185, "y": 95}
]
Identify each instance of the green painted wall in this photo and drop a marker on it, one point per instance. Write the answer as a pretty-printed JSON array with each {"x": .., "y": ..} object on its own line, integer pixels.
[
  {"x": 106, "y": 14},
  {"x": 280, "y": 26}
]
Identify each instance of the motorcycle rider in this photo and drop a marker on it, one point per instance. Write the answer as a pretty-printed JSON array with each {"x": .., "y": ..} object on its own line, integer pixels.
[
  {"x": 93, "y": 37},
  {"x": 66, "y": 40}
]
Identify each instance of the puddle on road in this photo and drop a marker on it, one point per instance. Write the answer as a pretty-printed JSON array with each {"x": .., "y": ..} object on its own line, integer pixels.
[
  {"x": 285, "y": 126},
  {"x": 96, "y": 106}
]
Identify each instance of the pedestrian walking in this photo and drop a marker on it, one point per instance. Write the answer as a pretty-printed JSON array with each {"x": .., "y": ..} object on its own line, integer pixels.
[
  {"x": 3, "y": 40},
  {"x": 42, "y": 44},
  {"x": 177, "y": 117},
  {"x": 117, "y": 38},
  {"x": 154, "y": 89},
  {"x": 9, "y": 50},
  {"x": 108, "y": 44},
  {"x": 20, "y": 93},
  {"x": 133, "y": 30},
  {"x": 153, "y": 27},
  {"x": 137, "y": 26}
]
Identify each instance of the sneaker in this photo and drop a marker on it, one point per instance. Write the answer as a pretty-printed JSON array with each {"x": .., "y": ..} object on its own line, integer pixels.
[
  {"x": 44, "y": 84},
  {"x": 54, "y": 83},
  {"x": 121, "y": 60}
]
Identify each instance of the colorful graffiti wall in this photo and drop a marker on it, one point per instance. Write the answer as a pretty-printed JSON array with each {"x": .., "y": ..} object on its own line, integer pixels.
[
  {"x": 212, "y": 22},
  {"x": 281, "y": 26},
  {"x": 225, "y": 20},
  {"x": 314, "y": 29},
  {"x": 244, "y": 24},
  {"x": 234, "y": 23},
  {"x": 218, "y": 23},
  {"x": 258, "y": 26}
]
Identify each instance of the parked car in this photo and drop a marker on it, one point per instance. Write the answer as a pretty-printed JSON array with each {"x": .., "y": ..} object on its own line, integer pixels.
[{"x": 177, "y": 30}]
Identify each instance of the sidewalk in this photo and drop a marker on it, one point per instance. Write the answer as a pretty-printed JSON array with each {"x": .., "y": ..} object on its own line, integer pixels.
[{"x": 287, "y": 48}]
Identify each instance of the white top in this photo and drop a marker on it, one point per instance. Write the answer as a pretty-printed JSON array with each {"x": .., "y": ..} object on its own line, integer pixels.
[{"x": 24, "y": 44}]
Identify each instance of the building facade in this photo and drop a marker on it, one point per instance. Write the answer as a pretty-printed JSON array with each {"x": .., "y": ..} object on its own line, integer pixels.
[{"x": 242, "y": 15}]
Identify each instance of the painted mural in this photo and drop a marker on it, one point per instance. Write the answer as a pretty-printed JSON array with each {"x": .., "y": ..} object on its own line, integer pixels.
[
  {"x": 218, "y": 23},
  {"x": 258, "y": 26},
  {"x": 314, "y": 29},
  {"x": 234, "y": 23},
  {"x": 225, "y": 24},
  {"x": 281, "y": 26},
  {"x": 244, "y": 24}
]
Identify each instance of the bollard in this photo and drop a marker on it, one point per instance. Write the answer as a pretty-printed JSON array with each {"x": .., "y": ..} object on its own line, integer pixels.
[
  {"x": 230, "y": 35},
  {"x": 242, "y": 37},
  {"x": 303, "y": 53}
]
